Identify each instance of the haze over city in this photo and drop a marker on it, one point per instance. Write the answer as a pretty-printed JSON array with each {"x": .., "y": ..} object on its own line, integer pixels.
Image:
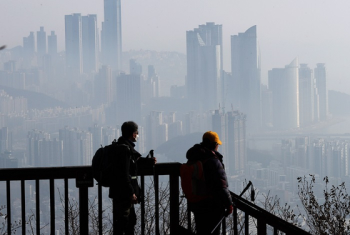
[
  {"x": 315, "y": 31},
  {"x": 270, "y": 77}
]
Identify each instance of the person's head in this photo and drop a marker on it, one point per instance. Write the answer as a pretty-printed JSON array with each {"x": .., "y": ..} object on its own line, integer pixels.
[
  {"x": 130, "y": 130},
  {"x": 211, "y": 140}
]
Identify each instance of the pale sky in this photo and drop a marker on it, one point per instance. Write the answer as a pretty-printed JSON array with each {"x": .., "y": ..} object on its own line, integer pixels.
[{"x": 315, "y": 31}]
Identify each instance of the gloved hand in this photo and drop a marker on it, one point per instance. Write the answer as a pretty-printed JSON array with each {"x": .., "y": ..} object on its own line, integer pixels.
[{"x": 229, "y": 210}]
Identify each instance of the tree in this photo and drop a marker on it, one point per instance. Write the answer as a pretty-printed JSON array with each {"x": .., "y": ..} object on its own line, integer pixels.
[{"x": 329, "y": 217}]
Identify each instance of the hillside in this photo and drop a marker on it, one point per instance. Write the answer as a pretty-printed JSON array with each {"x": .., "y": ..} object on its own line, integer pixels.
[{"x": 35, "y": 100}]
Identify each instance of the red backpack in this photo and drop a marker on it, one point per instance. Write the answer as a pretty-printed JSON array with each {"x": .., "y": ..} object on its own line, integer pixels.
[{"x": 193, "y": 181}]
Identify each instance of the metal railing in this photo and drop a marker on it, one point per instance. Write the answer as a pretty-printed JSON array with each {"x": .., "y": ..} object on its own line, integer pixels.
[{"x": 84, "y": 181}]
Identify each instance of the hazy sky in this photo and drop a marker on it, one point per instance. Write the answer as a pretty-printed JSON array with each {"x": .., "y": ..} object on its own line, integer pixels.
[{"x": 313, "y": 30}]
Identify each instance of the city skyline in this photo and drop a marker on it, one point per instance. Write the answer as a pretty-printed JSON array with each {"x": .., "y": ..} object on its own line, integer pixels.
[{"x": 279, "y": 41}]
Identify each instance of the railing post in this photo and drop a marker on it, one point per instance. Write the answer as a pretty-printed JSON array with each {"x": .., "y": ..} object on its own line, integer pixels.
[
  {"x": 156, "y": 197},
  {"x": 99, "y": 188},
  {"x": 83, "y": 210},
  {"x": 66, "y": 214},
  {"x": 261, "y": 226},
  {"x": 174, "y": 203},
  {"x": 37, "y": 206},
  {"x": 235, "y": 220},
  {"x": 143, "y": 205},
  {"x": 83, "y": 182},
  {"x": 52, "y": 206},
  {"x": 8, "y": 199},
  {"x": 23, "y": 207}
]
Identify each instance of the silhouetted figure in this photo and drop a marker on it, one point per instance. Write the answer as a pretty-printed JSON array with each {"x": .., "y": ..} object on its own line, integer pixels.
[
  {"x": 125, "y": 190},
  {"x": 209, "y": 212}
]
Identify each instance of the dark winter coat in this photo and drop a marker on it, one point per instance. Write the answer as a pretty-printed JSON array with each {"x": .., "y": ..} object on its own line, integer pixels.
[
  {"x": 125, "y": 181},
  {"x": 214, "y": 173}
]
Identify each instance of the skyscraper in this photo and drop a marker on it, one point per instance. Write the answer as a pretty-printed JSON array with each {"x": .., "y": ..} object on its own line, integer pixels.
[
  {"x": 321, "y": 84},
  {"x": 128, "y": 98},
  {"x": 103, "y": 86},
  {"x": 284, "y": 84},
  {"x": 231, "y": 127},
  {"x": 90, "y": 43},
  {"x": 204, "y": 66},
  {"x": 41, "y": 45},
  {"x": 111, "y": 35},
  {"x": 73, "y": 39},
  {"x": 156, "y": 130},
  {"x": 29, "y": 45},
  {"x": 307, "y": 93},
  {"x": 77, "y": 146},
  {"x": 244, "y": 90},
  {"x": 28, "y": 50},
  {"x": 52, "y": 44}
]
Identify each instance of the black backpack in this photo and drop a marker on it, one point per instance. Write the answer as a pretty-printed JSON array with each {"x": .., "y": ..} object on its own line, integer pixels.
[{"x": 102, "y": 163}]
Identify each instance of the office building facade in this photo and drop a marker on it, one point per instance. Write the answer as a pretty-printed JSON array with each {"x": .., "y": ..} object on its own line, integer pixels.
[
  {"x": 73, "y": 40},
  {"x": 204, "y": 66},
  {"x": 284, "y": 85},
  {"x": 111, "y": 35},
  {"x": 321, "y": 84},
  {"x": 90, "y": 43},
  {"x": 245, "y": 86}
]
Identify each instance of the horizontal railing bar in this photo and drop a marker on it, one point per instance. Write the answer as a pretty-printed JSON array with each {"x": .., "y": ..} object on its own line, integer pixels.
[
  {"x": 70, "y": 172},
  {"x": 270, "y": 219},
  {"x": 42, "y": 173}
]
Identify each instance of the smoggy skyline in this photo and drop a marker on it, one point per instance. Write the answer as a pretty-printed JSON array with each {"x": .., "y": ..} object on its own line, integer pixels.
[{"x": 313, "y": 31}]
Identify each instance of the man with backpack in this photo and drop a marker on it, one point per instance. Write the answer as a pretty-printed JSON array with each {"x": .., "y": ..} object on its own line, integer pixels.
[
  {"x": 215, "y": 200},
  {"x": 124, "y": 189}
]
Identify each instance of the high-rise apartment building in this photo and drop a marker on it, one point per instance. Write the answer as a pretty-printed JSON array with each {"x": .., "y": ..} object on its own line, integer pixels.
[
  {"x": 306, "y": 95},
  {"x": 150, "y": 84},
  {"x": 73, "y": 39},
  {"x": 77, "y": 147},
  {"x": 111, "y": 35},
  {"x": 5, "y": 140},
  {"x": 284, "y": 85},
  {"x": 128, "y": 98},
  {"x": 29, "y": 45},
  {"x": 41, "y": 45},
  {"x": 52, "y": 44},
  {"x": 103, "y": 86},
  {"x": 204, "y": 66},
  {"x": 96, "y": 132},
  {"x": 157, "y": 130},
  {"x": 244, "y": 90},
  {"x": 153, "y": 79},
  {"x": 231, "y": 128},
  {"x": 28, "y": 50},
  {"x": 90, "y": 43},
  {"x": 321, "y": 84}
]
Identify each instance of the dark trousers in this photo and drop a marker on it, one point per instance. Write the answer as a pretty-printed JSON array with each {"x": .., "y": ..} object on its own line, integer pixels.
[
  {"x": 207, "y": 215},
  {"x": 124, "y": 218}
]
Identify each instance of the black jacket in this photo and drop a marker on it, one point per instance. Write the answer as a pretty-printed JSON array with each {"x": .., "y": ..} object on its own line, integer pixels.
[
  {"x": 214, "y": 172},
  {"x": 125, "y": 181}
]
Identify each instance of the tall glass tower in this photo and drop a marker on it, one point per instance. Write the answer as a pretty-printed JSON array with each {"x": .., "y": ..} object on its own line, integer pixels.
[
  {"x": 73, "y": 38},
  {"x": 204, "y": 66},
  {"x": 111, "y": 36},
  {"x": 244, "y": 89}
]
